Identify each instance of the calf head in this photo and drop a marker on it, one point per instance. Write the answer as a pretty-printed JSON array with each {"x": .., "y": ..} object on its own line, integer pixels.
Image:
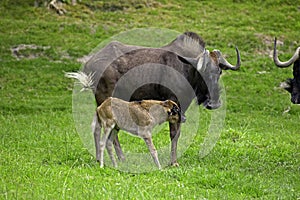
[
  {"x": 291, "y": 85},
  {"x": 173, "y": 111}
]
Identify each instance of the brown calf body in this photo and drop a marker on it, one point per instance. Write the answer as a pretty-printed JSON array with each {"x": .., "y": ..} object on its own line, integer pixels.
[{"x": 136, "y": 117}]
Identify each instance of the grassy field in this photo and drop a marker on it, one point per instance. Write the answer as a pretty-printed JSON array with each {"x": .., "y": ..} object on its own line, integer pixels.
[{"x": 42, "y": 156}]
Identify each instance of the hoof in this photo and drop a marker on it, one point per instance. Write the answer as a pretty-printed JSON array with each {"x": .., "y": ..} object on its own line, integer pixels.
[
  {"x": 122, "y": 159},
  {"x": 176, "y": 164},
  {"x": 101, "y": 164}
]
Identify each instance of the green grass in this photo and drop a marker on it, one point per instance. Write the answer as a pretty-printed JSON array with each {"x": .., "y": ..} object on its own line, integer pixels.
[{"x": 42, "y": 156}]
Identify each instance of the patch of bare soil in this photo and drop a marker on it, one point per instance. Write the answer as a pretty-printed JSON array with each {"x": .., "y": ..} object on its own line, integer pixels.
[
  {"x": 28, "y": 51},
  {"x": 268, "y": 42}
]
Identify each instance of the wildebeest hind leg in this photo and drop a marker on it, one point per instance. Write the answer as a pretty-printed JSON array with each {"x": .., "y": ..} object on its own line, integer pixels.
[{"x": 96, "y": 129}]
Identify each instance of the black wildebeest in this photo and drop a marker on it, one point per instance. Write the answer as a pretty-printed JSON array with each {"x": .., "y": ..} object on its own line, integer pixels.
[
  {"x": 156, "y": 73},
  {"x": 291, "y": 85}
]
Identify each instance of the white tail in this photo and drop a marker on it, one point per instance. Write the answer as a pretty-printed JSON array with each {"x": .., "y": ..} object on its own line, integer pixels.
[{"x": 85, "y": 79}]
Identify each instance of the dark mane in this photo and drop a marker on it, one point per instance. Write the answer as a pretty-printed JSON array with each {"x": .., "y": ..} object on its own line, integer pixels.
[
  {"x": 195, "y": 37},
  {"x": 188, "y": 44}
]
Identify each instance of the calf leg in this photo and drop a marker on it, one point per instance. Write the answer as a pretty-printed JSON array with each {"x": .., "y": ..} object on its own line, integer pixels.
[
  {"x": 153, "y": 151},
  {"x": 174, "y": 135},
  {"x": 96, "y": 129},
  {"x": 103, "y": 143},
  {"x": 117, "y": 145},
  {"x": 109, "y": 147}
]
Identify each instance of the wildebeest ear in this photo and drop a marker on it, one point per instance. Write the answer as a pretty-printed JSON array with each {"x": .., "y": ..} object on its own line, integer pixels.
[
  {"x": 200, "y": 62},
  {"x": 287, "y": 85}
]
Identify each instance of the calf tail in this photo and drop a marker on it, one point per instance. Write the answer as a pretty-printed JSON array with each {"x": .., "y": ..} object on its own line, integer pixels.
[{"x": 85, "y": 79}]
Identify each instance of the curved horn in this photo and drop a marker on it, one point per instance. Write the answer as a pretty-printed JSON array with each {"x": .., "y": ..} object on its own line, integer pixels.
[
  {"x": 287, "y": 63},
  {"x": 224, "y": 64}
]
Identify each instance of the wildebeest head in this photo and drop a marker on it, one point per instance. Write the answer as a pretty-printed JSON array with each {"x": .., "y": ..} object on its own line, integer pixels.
[
  {"x": 291, "y": 85},
  {"x": 210, "y": 66}
]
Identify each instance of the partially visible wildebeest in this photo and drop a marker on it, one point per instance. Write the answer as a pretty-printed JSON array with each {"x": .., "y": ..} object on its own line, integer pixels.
[
  {"x": 161, "y": 70},
  {"x": 136, "y": 117},
  {"x": 292, "y": 85}
]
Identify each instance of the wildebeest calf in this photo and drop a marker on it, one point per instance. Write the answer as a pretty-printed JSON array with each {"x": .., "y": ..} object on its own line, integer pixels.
[{"x": 137, "y": 118}]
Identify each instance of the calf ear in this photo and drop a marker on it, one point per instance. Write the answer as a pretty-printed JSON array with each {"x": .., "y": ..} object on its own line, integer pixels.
[
  {"x": 170, "y": 105},
  {"x": 167, "y": 103}
]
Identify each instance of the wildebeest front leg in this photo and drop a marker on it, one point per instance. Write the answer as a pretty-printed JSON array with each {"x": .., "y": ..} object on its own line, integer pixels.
[
  {"x": 151, "y": 147},
  {"x": 174, "y": 135}
]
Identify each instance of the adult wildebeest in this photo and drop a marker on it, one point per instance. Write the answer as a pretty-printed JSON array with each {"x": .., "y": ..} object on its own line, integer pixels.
[
  {"x": 136, "y": 117},
  {"x": 291, "y": 85},
  {"x": 178, "y": 71}
]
